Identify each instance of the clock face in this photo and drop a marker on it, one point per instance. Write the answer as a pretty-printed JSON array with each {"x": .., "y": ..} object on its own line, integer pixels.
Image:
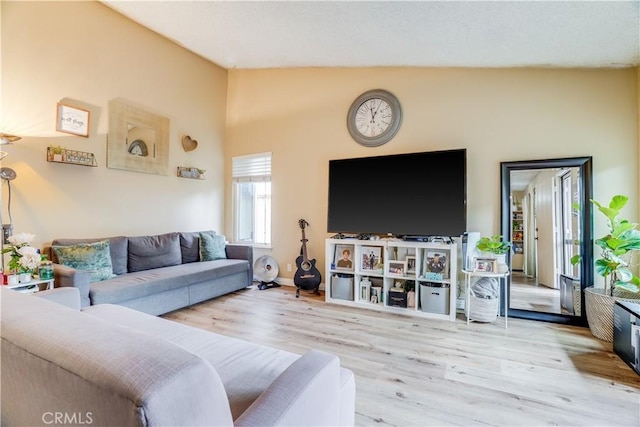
[{"x": 374, "y": 118}]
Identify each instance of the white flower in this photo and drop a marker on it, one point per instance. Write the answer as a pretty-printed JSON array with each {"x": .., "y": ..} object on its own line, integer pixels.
[
  {"x": 26, "y": 250},
  {"x": 21, "y": 239},
  {"x": 30, "y": 259}
]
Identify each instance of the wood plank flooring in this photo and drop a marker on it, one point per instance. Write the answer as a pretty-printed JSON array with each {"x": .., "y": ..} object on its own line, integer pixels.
[
  {"x": 422, "y": 372},
  {"x": 527, "y": 294}
]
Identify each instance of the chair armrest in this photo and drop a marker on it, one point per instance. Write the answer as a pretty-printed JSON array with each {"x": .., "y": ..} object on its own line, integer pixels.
[
  {"x": 66, "y": 296},
  {"x": 242, "y": 252},
  {"x": 70, "y": 277},
  {"x": 306, "y": 393}
]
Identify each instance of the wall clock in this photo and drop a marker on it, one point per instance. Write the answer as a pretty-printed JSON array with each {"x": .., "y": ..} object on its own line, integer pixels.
[{"x": 374, "y": 118}]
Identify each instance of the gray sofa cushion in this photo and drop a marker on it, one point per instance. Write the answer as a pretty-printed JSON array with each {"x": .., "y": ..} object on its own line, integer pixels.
[
  {"x": 117, "y": 247},
  {"x": 149, "y": 252},
  {"x": 245, "y": 369},
  {"x": 144, "y": 283},
  {"x": 190, "y": 245}
]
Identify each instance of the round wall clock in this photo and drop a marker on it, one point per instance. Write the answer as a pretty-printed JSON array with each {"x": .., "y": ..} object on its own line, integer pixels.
[{"x": 374, "y": 118}]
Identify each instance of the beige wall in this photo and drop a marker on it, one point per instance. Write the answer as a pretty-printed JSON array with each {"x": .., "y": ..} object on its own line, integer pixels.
[
  {"x": 88, "y": 54},
  {"x": 497, "y": 114}
]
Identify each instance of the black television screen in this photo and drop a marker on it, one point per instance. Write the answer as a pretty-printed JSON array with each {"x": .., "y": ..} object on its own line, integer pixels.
[{"x": 420, "y": 194}]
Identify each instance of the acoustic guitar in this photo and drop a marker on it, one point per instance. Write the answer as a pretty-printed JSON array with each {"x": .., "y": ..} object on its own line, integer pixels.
[{"x": 307, "y": 276}]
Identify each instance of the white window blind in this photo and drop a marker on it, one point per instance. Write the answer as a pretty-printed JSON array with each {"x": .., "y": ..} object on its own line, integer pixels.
[{"x": 252, "y": 168}]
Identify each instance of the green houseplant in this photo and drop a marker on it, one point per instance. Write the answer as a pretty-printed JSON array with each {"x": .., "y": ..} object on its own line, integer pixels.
[
  {"x": 494, "y": 245},
  {"x": 497, "y": 248},
  {"x": 617, "y": 248},
  {"x": 56, "y": 153},
  {"x": 615, "y": 264}
]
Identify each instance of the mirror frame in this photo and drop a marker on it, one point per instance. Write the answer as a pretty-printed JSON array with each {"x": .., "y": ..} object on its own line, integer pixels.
[{"x": 586, "y": 231}]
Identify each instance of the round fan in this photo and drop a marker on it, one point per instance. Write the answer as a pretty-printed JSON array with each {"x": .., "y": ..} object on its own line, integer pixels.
[{"x": 266, "y": 269}]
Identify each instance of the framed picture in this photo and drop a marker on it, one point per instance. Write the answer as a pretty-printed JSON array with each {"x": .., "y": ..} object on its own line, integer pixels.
[
  {"x": 343, "y": 257},
  {"x": 437, "y": 264},
  {"x": 411, "y": 264},
  {"x": 376, "y": 295},
  {"x": 72, "y": 120},
  {"x": 371, "y": 257},
  {"x": 397, "y": 268},
  {"x": 488, "y": 265}
]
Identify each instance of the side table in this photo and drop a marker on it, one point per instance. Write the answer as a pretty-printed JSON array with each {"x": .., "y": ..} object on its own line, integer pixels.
[
  {"x": 32, "y": 286},
  {"x": 502, "y": 283}
]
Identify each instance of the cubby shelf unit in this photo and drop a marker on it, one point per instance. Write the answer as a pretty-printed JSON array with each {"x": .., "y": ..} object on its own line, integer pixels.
[{"x": 392, "y": 250}]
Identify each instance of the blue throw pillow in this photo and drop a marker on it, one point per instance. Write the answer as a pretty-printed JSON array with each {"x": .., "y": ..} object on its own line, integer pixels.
[
  {"x": 212, "y": 247},
  {"x": 94, "y": 257}
]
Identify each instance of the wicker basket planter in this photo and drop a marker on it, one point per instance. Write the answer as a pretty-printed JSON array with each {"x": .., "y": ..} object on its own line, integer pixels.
[
  {"x": 600, "y": 310},
  {"x": 483, "y": 309}
]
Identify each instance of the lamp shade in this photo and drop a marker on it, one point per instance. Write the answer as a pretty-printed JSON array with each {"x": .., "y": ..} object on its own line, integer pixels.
[{"x": 5, "y": 138}]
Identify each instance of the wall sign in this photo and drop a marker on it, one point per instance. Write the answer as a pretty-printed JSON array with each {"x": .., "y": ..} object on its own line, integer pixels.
[{"x": 72, "y": 120}]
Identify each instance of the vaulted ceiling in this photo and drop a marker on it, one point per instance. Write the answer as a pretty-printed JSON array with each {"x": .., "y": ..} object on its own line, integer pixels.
[{"x": 275, "y": 34}]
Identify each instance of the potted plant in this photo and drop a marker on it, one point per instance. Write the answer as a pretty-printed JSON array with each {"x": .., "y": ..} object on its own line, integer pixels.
[
  {"x": 617, "y": 251},
  {"x": 24, "y": 257},
  {"x": 494, "y": 247},
  {"x": 57, "y": 151}
]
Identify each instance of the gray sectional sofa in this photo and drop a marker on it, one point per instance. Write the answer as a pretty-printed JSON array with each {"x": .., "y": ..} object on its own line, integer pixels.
[
  {"x": 108, "y": 365},
  {"x": 156, "y": 274}
]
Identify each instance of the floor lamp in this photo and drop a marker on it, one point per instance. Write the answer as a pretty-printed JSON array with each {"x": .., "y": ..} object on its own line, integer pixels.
[{"x": 10, "y": 174}]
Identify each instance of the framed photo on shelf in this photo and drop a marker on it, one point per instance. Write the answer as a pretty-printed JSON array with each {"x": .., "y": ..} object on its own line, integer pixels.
[
  {"x": 411, "y": 264},
  {"x": 371, "y": 257},
  {"x": 376, "y": 295},
  {"x": 397, "y": 268},
  {"x": 488, "y": 265},
  {"x": 72, "y": 120},
  {"x": 343, "y": 257},
  {"x": 436, "y": 265}
]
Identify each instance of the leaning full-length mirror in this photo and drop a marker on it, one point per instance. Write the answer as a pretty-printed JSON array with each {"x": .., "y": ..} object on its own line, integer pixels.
[{"x": 546, "y": 214}]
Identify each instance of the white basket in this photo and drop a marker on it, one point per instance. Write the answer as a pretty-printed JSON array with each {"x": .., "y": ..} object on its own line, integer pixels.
[{"x": 483, "y": 309}]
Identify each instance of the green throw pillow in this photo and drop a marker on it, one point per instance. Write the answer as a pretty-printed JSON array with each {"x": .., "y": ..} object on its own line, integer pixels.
[
  {"x": 94, "y": 257},
  {"x": 212, "y": 247}
]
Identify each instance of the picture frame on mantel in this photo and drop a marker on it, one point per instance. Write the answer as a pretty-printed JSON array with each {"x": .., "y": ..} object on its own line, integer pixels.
[{"x": 72, "y": 120}]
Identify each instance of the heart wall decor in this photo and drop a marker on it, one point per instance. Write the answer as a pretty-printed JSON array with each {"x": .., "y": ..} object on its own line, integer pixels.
[{"x": 189, "y": 144}]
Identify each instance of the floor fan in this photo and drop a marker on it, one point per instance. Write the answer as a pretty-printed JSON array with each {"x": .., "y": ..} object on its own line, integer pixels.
[{"x": 266, "y": 269}]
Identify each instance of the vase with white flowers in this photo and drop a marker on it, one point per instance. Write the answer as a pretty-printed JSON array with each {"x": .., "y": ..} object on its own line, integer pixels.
[{"x": 24, "y": 257}]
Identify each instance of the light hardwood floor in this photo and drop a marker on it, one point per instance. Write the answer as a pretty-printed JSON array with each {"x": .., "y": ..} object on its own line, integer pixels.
[
  {"x": 527, "y": 294},
  {"x": 412, "y": 371}
]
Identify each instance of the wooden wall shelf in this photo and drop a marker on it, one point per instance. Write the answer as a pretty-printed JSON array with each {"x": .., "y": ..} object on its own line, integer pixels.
[{"x": 71, "y": 157}]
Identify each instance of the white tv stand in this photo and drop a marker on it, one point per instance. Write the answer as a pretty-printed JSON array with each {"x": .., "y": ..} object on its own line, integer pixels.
[{"x": 395, "y": 253}]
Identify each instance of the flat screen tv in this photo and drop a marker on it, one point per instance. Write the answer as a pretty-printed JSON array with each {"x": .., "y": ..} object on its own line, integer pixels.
[{"x": 417, "y": 194}]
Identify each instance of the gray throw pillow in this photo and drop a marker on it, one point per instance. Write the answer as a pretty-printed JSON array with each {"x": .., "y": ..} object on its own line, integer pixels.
[
  {"x": 148, "y": 252},
  {"x": 93, "y": 257},
  {"x": 212, "y": 247}
]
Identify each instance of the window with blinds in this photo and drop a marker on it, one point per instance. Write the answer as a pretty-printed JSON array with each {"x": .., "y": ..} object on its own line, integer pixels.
[{"x": 251, "y": 177}]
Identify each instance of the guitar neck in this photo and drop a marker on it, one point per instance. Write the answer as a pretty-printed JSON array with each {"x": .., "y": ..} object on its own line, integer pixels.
[{"x": 304, "y": 247}]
